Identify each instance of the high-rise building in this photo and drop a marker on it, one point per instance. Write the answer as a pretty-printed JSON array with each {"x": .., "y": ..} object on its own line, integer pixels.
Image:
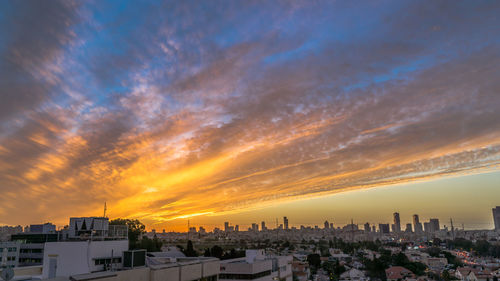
[
  {"x": 226, "y": 226},
  {"x": 427, "y": 227},
  {"x": 327, "y": 225},
  {"x": 367, "y": 227},
  {"x": 285, "y": 222},
  {"x": 331, "y": 225},
  {"x": 255, "y": 227},
  {"x": 408, "y": 228},
  {"x": 384, "y": 227},
  {"x": 263, "y": 226},
  {"x": 374, "y": 228},
  {"x": 496, "y": 218},
  {"x": 397, "y": 222},
  {"x": 236, "y": 228},
  {"x": 417, "y": 226},
  {"x": 434, "y": 225}
]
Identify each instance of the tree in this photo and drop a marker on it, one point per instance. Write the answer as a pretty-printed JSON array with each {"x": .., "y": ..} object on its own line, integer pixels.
[
  {"x": 135, "y": 230},
  {"x": 151, "y": 245},
  {"x": 446, "y": 275},
  {"x": 207, "y": 252},
  {"x": 216, "y": 251},
  {"x": 482, "y": 247},
  {"x": 314, "y": 260},
  {"x": 190, "y": 251}
]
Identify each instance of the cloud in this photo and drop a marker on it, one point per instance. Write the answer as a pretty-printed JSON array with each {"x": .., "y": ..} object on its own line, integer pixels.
[{"x": 219, "y": 111}]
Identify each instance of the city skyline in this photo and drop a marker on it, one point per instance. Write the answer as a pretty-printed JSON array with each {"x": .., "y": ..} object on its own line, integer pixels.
[{"x": 250, "y": 111}]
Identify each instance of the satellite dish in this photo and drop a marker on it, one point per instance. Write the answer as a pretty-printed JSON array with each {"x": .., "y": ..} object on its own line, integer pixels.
[{"x": 7, "y": 273}]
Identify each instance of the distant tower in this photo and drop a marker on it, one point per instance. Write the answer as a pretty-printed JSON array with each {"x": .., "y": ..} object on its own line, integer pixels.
[
  {"x": 434, "y": 225},
  {"x": 263, "y": 226},
  {"x": 367, "y": 227},
  {"x": 452, "y": 229},
  {"x": 417, "y": 226},
  {"x": 408, "y": 228},
  {"x": 327, "y": 225},
  {"x": 226, "y": 226},
  {"x": 285, "y": 222},
  {"x": 397, "y": 222},
  {"x": 496, "y": 217}
]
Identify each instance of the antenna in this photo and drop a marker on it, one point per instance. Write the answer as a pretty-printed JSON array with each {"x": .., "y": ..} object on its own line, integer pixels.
[
  {"x": 452, "y": 229},
  {"x": 105, "y": 208},
  {"x": 188, "y": 230},
  {"x": 352, "y": 230}
]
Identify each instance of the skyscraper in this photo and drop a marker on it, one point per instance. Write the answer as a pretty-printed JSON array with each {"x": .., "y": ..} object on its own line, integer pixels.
[
  {"x": 397, "y": 222},
  {"x": 226, "y": 226},
  {"x": 427, "y": 227},
  {"x": 434, "y": 225},
  {"x": 263, "y": 226},
  {"x": 285, "y": 222},
  {"x": 327, "y": 225},
  {"x": 417, "y": 226},
  {"x": 367, "y": 227},
  {"x": 255, "y": 227},
  {"x": 383, "y": 227},
  {"x": 496, "y": 218},
  {"x": 408, "y": 228}
]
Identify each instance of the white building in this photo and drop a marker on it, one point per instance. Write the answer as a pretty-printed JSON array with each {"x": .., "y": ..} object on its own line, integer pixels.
[
  {"x": 79, "y": 257},
  {"x": 9, "y": 253},
  {"x": 257, "y": 266}
]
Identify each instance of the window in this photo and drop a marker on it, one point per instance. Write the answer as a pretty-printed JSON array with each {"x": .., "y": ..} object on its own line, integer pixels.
[
  {"x": 12, "y": 249},
  {"x": 107, "y": 261},
  {"x": 29, "y": 251}
]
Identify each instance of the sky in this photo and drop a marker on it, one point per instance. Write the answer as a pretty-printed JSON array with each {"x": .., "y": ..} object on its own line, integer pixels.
[{"x": 249, "y": 110}]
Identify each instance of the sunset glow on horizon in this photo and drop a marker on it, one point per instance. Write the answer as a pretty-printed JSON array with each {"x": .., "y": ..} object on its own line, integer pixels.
[{"x": 248, "y": 110}]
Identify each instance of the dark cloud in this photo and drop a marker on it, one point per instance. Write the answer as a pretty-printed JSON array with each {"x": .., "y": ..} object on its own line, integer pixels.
[{"x": 35, "y": 33}]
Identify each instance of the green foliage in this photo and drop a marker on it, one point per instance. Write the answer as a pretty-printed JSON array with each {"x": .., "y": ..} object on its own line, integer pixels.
[
  {"x": 190, "y": 251},
  {"x": 233, "y": 254},
  {"x": 151, "y": 245},
  {"x": 218, "y": 252},
  {"x": 135, "y": 230},
  {"x": 446, "y": 276},
  {"x": 481, "y": 247},
  {"x": 351, "y": 248},
  {"x": 215, "y": 251},
  {"x": 376, "y": 268},
  {"x": 334, "y": 269},
  {"x": 314, "y": 260},
  {"x": 434, "y": 251}
]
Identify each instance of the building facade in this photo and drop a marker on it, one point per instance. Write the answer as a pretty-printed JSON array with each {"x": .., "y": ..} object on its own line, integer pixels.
[{"x": 496, "y": 217}]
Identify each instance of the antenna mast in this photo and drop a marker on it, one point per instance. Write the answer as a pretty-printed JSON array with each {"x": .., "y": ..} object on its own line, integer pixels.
[
  {"x": 105, "y": 208},
  {"x": 352, "y": 230},
  {"x": 452, "y": 229}
]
